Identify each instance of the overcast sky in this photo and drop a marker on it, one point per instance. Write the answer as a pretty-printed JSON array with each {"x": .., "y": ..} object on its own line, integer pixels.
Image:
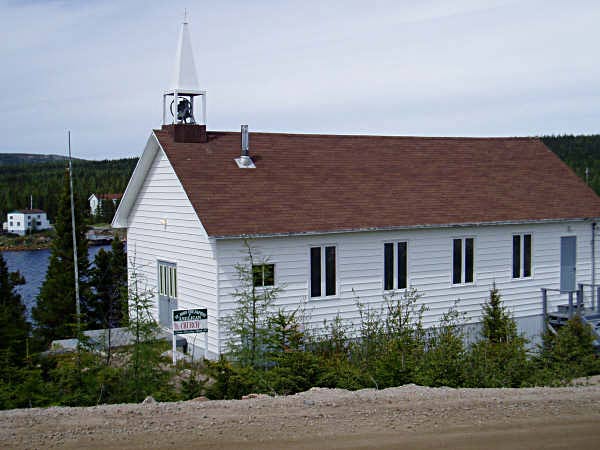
[{"x": 427, "y": 67}]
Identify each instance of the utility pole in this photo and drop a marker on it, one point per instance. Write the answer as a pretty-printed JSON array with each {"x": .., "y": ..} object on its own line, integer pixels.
[{"x": 77, "y": 302}]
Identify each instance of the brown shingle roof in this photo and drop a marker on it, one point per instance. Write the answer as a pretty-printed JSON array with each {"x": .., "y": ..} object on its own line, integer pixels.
[
  {"x": 318, "y": 183},
  {"x": 110, "y": 196},
  {"x": 30, "y": 211}
]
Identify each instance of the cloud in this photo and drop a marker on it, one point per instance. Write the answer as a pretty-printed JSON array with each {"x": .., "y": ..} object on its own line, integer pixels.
[{"x": 418, "y": 68}]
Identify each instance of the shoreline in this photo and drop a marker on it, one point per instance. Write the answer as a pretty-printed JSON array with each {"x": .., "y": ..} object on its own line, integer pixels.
[
  {"x": 25, "y": 248},
  {"x": 22, "y": 248}
]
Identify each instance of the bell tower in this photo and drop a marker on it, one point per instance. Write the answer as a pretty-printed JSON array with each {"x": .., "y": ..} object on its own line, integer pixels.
[{"x": 180, "y": 110}]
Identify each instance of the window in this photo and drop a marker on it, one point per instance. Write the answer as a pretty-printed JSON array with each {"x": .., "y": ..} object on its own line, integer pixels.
[
  {"x": 11, "y": 224},
  {"x": 18, "y": 224},
  {"x": 167, "y": 279},
  {"x": 167, "y": 292},
  {"x": 521, "y": 256},
  {"x": 322, "y": 271},
  {"x": 263, "y": 275},
  {"x": 463, "y": 260},
  {"x": 394, "y": 256}
]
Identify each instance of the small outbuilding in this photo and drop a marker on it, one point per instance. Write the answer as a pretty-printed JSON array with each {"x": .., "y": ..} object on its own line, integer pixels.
[{"x": 96, "y": 201}]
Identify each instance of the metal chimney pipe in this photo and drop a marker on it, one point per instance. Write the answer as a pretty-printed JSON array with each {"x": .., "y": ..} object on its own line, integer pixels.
[{"x": 244, "y": 140}]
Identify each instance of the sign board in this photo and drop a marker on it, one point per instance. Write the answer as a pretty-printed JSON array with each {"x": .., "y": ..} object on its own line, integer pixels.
[{"x": 190, "y": 321}]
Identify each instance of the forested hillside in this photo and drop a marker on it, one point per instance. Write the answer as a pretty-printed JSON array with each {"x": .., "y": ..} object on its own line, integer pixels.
[
  {"x": 44, "y": 181},
  {"x": 12, "y": 159},
  {"x": 579, "y": 152}
]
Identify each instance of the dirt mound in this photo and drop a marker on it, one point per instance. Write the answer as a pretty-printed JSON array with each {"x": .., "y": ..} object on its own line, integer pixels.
[{"x": 417, "y": 416}]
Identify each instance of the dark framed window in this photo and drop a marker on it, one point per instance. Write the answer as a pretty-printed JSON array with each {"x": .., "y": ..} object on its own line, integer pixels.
[
  {"x": 516, "y": 256},
  {"x": 323, "y": 271},
  {"x": 329, "y": 270},
  {"x": 315, "y": 272},
  {"x": 521, "y": 266},
  {"x": 457, "y": 261},
  {"x": 463, "y": 260},
  {"x": 527, "y": 255},
  {"x": 469, "y": 260},
  {"x": 388, "y": 267},
  {"x": 395, "y": 255},
  {"x": 263, "y": 275}
]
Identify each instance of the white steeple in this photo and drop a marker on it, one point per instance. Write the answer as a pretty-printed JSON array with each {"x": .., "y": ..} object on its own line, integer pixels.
[
  {"x": 185, "y": 78},
  {"x": 185, "y": 85}
]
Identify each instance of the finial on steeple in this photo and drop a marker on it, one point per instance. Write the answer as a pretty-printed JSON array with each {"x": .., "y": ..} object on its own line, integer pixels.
[{"x": 185, "y": 15}]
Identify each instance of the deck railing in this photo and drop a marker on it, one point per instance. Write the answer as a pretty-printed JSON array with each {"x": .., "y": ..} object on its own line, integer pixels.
[{"x": 576, "y": 299}]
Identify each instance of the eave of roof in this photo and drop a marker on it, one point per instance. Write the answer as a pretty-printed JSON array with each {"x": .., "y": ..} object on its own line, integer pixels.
[{"x": 410, "y": 227}]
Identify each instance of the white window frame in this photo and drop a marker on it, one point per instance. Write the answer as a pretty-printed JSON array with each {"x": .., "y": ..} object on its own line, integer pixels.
[
  {"x": 263, "y": 285},
  {"x": 522, "y": 256},
  {"x": 395, "y": 265},
  {"x": 167, "y": 279},
  {"x": 463, "y": 265},
  {"x": 324, "y": 272}
]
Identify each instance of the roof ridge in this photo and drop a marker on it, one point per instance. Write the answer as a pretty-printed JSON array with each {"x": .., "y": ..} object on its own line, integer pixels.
[{"x": 390, "y": 136}]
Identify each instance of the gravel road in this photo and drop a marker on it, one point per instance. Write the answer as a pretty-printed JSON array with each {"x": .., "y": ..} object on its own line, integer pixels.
[{"x": 408, "y": 417}]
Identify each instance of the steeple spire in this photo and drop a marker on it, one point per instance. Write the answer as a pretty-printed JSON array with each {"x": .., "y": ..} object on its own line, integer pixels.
[
  {"x": 184, "y": 86},
  {"x": 185, "y": 77}
]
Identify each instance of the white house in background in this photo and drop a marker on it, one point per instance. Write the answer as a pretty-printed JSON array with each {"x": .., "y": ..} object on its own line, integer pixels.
[
  {"x": 23, "y": 221},
  {"x": 96, "y": 201},
  {"x": 346, "y": 216}
]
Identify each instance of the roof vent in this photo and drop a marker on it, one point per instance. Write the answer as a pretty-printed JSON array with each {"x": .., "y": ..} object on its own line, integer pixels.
[{"x": 244, "y": 161}]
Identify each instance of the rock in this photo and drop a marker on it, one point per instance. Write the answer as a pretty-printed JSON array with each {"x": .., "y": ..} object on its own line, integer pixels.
[
  {"x": 180, "y": 356},
  {"x": 149, "y": 400},
  {"x": 202, "y": 398},
  {"x": 250, "y": 396},
  {"x": 309, "y": 402}
]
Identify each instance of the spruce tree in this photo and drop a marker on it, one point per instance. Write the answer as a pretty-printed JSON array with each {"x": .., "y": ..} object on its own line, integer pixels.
[
  {"x": 99, "y": 311},
  {"x": 14, "y": 328},
  {"x": 498, "y": 324},
  {"x": 499, "y": 359},
  {"x": 108, "y": 279},
  {"x": 107, "y": 210},
  {"x": 54, "y": 313},
  {"x": 118, "y": 267}
]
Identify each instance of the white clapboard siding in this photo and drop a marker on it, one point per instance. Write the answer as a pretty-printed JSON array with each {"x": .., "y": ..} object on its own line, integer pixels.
[
  {"x": 182, "y": 241},
  {"x": 360, "y": 269}
]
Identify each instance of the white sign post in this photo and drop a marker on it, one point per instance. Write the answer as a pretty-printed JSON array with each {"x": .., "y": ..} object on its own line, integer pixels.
[{"x": 189, "y": 321}]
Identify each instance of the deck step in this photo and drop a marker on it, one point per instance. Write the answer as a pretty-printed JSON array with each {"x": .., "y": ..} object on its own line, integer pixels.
[{"x": 565, "y": 308}]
